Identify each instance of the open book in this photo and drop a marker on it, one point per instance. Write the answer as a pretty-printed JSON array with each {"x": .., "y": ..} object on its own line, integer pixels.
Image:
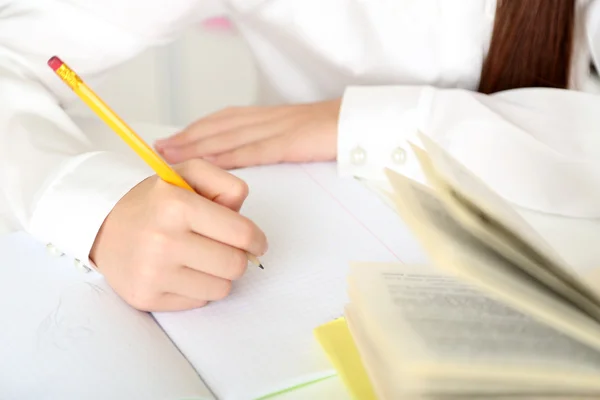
[
  {"x": 497, "y": 314},
  {"x": 66, "y": 335}
]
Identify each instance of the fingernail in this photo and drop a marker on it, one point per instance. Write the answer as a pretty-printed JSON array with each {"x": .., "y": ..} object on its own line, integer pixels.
[
  {"x": 160, "y": 144},
  {"x": 170, "y": 153}
]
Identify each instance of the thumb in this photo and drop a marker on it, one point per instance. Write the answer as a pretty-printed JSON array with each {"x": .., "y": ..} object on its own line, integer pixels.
[{"x": 214, "y": 183}]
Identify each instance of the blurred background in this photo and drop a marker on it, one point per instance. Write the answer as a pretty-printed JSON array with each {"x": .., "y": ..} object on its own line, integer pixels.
[{"x": 207, "y": 69}]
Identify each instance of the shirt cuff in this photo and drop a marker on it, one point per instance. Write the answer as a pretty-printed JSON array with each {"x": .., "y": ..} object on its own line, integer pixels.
[
  {"x": 375, "y": 127},
  {"x": 69, "y": 212}
]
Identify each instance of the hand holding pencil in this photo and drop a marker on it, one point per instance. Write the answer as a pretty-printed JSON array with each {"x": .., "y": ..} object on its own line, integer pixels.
[{"x": 176, "y": 240}]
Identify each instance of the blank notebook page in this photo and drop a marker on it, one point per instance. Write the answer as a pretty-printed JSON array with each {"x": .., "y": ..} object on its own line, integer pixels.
[{"x": 260, "y": 339}]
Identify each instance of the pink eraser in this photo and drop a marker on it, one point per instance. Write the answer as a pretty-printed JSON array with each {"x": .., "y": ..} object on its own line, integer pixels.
[{"x": 55, "y": 63}]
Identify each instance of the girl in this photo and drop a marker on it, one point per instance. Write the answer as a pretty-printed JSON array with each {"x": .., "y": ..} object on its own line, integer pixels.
[{"x": 503, "y": 86}]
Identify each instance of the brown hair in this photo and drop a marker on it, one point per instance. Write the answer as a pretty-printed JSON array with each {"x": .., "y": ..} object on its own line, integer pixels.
[{"x": 531, "y": 45}]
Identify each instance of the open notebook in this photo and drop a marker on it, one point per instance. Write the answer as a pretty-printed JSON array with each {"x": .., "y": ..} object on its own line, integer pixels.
[{"x": 66, "y": 335}]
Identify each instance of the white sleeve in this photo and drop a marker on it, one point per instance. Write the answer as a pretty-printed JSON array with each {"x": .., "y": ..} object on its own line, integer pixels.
[
  {"x": 54, "y": 181},
  {"x": 592, "y": 31},
  {"x": 538, "y": 148}
]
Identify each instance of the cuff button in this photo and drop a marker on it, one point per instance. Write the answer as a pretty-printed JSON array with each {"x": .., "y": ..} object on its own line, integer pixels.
[
  {"x": 399, "y": 156},
  {"x": 53, "y": 250},
  {"x": 358, "y": 156}
]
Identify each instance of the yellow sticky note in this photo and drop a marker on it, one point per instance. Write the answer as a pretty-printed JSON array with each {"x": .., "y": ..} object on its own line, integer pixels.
[{"x": 336, "y": 340}]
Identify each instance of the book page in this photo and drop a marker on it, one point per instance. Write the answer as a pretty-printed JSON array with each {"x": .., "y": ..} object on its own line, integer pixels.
[
  {"x": 378, "y": 366},
  {"x": 467, "y": 184},
  {"x": 474, "y": 194},
  {"x": 504, "y": 242},
  {"x": 575, "y": 239},
  {"x": 66, "y": 335},
  {"x": 455, "y": 249},
  {"x": 260, "y": 339},
  {"x": 456, "y": 320},
  {"x": 417, "y": 316}
]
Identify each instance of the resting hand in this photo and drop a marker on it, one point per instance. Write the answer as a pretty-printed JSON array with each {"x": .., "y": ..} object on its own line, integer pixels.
[{"x": 248, "y": 136}]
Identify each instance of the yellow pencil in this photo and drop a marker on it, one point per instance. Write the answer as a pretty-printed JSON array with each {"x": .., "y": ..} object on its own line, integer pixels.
[{"x": 162, "y": 169}]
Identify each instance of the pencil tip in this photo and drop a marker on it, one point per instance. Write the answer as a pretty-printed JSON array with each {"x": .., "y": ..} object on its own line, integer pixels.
[{"x": 261, "y": 266}]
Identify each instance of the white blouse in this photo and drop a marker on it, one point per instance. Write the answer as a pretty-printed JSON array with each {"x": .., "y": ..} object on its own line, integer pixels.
[{"x": 400, "y": 66}]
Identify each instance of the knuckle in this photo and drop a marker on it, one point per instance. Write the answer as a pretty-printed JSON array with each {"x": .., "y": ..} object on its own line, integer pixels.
[
  {"x": 189, "y": 133},
  {"x": 222, "y": 290},
  {"x": 238, "y": 264},
  {"x": 155, "y": 246},
  {"x": 148, "y": 277},
  {"x": 193, "y": 164},
  {"x": 239, "y": 189},
  {"x": 246, "y": 232},
  {"x": 192, "y": 169},
  {"x": 170, "y": 212},
  {"x": 153, "y": 254},
  {"x": 145, "y": 286}
]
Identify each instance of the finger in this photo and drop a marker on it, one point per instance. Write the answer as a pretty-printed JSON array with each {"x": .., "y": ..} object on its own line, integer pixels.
[
  {"x": 224, "y": 120},
  {"x": 214, "y": 183},
  {"x": 227, "y": 141},
  {"x": 168, "y": 302},
  {"x": 264, "y": 152},
  {"x": 211, "y": 257},
  {"x": 222, "y": 224},
  {"x": 197, "y": 285}
]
